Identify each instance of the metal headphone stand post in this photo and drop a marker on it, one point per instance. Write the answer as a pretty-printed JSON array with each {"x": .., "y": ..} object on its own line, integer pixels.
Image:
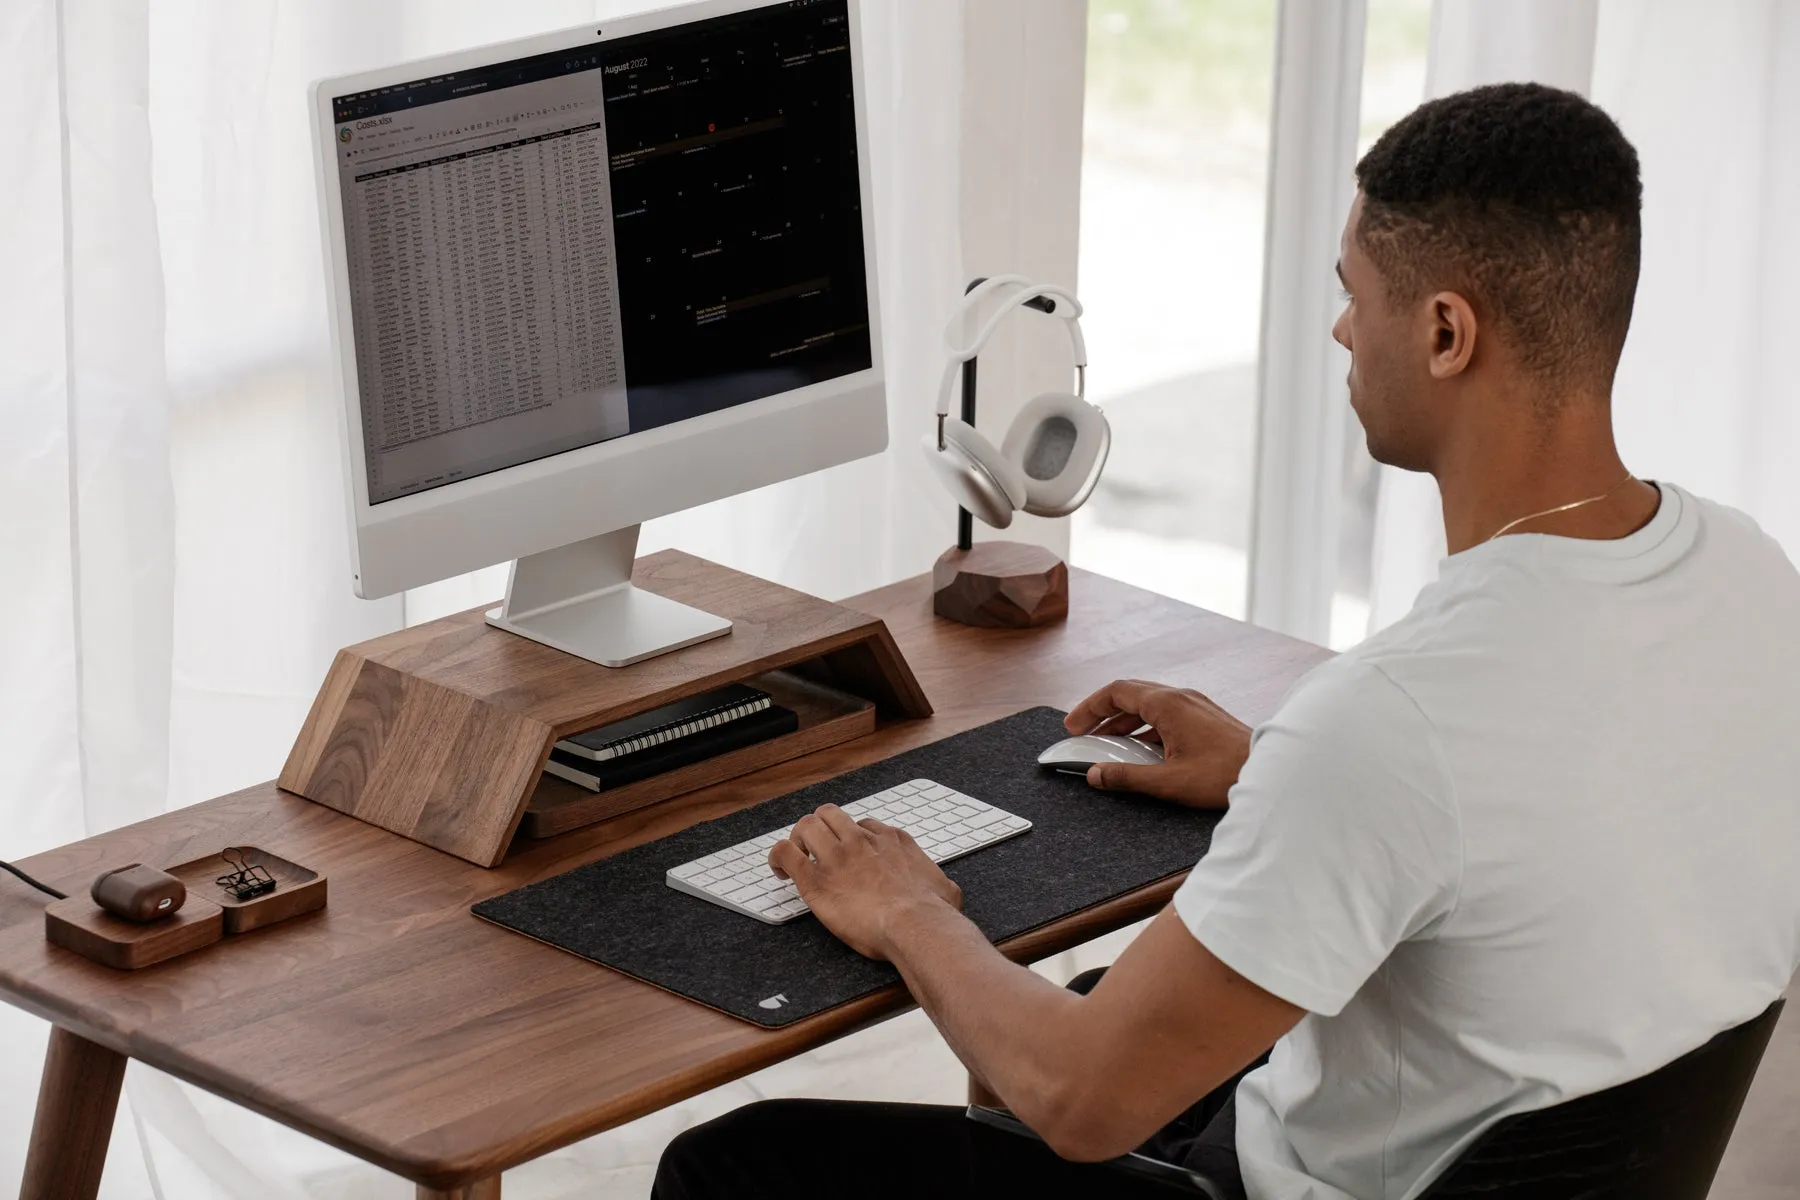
[{"x": 1012, "y": 585}]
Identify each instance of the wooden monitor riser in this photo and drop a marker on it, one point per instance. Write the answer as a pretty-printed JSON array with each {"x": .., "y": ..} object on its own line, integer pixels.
[{"x": 440, "y": 732}]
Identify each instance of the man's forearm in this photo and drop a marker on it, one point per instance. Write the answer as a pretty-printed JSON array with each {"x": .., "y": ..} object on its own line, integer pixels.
[{"x": 1015, "y": 1031}]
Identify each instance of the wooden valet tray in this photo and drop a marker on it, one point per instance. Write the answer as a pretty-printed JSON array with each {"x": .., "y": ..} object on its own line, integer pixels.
[
  {"x": 79, "y": 924},
  {"x": 297, "y": 889},
  {"x": 208, "y": 914}
]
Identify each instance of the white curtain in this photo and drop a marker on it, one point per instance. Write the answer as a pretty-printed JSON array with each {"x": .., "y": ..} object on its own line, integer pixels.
[
  {"x": 1710, "y": 95},
  {"x": 173, "y": 572},
  {"x": 1473, "y": 42},
  {"x": 1706, "y": 397}
]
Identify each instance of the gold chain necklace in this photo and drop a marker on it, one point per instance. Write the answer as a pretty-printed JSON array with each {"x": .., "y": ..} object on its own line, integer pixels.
[{"x": 1561, "y": 508}]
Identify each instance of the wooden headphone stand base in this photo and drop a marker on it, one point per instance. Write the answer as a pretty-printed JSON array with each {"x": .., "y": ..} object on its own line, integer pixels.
[{"x": 1000, "y": 585}]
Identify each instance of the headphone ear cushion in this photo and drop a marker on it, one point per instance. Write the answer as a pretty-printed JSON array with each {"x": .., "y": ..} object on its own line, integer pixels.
[
  {"x": 1057, "y": 443},
  {"x": 976, "y": 473}
]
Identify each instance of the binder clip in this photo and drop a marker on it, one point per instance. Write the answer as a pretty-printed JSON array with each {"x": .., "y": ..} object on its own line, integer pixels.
[{"x": 248, "y": 881}]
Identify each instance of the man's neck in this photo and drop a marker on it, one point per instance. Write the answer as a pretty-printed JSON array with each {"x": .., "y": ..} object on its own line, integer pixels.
[{"x": 1494, "y": 476}]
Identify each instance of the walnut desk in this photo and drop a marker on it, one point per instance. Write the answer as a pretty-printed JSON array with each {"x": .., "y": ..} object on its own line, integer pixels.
[{"x": 396, "y": 1026}]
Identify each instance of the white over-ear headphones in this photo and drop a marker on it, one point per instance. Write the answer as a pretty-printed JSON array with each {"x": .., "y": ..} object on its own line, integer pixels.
[{"x": 1051, "y": 456}]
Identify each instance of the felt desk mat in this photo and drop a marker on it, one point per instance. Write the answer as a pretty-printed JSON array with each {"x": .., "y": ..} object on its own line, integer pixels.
[{"x": 1084, "y": 847}]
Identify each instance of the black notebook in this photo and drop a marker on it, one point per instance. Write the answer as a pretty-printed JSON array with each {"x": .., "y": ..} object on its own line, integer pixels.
[
  {"x": 666, "y": 724},
  {"x": 759, "y": 726}
]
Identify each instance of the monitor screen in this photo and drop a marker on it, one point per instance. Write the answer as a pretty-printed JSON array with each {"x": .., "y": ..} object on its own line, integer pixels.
[{"x": 568, "y": 248}]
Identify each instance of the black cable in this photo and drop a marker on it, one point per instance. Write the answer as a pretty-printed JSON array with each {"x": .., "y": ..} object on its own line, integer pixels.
[{"x": 42, "y": 887}]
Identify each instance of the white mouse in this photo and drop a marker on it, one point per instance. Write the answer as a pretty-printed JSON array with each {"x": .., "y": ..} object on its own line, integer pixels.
[{"x": 1075, "y": 755}]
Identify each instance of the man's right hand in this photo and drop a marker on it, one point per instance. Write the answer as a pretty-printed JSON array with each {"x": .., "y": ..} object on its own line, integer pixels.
[{"x": 1204, "y": 747}]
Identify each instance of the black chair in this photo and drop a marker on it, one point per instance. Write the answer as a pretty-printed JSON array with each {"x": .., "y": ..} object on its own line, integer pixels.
[{"x": 1658, "y": 1137}]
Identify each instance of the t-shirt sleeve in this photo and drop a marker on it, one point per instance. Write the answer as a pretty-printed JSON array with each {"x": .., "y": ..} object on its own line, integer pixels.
[{"x": 1341, "y": 841}]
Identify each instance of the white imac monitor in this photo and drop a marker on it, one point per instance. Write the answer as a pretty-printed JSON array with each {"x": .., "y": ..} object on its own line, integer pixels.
[{"x": 590, "y": 278}]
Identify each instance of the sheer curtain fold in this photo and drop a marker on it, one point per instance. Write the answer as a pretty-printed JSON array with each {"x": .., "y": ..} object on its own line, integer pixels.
[
  {"x": 172, "y": 546},
  {"x": 1706, "y": 394},
  {"x": 84, "y": 475},
  {"x": 1710, "y": 96},
  {"x": 1473, "y": 42},
  {"x": 37, "y": 639},
  {"x": 86, "y": 541}
]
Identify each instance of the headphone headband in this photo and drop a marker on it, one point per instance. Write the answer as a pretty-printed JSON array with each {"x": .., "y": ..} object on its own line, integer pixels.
[{"x": 1067, "y": 308}]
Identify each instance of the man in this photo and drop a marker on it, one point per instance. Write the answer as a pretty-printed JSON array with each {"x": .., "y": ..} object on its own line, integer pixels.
[{"x": 1534, "y": 840}]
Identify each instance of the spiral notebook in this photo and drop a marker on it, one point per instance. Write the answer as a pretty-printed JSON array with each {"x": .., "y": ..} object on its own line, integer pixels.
[
  {"x": 759, "y": 726},
  {"x": 666, "y": 724}
]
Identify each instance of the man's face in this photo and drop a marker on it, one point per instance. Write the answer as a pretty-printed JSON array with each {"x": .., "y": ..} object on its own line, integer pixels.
[{"x": 1389, "y": 351}]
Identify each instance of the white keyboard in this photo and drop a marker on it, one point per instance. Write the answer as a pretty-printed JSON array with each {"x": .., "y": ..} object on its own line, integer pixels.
[{"x": 945, "y": 823}]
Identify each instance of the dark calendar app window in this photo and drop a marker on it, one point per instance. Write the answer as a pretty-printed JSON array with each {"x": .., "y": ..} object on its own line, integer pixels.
[{"x": 736, "y": 210}]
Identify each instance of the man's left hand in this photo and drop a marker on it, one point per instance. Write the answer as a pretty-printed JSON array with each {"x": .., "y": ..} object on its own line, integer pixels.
[{"x": 858, "y": 876}]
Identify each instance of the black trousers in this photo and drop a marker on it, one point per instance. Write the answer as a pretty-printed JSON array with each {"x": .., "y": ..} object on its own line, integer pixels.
[{"x": 825, "y": 1149}]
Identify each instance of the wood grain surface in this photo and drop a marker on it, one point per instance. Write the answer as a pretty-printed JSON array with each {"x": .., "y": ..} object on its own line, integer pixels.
[
  {"x": 395, "y": 1025},
  {"x": 1007, "y": 585},
  {"x": 485, "y": 1189},
  {"x": 80, "y": 925},
  {"x": 440, "y": 732}
]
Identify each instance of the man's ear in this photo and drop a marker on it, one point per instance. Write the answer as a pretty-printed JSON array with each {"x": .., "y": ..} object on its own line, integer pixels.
[{"x": 1452, "y": 335}]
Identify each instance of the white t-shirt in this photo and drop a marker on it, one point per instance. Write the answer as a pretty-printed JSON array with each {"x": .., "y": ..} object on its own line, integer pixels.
[{"x": 1540, "y": 837}]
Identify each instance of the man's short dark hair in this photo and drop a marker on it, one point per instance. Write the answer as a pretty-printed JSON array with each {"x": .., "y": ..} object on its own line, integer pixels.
[{"x": 1524, "y": 199}]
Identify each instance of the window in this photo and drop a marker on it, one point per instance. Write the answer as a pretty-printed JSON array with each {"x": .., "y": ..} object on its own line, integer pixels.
[
  {"x": 1174, "y": 176},
  {"x": 1174, "y": 191}
]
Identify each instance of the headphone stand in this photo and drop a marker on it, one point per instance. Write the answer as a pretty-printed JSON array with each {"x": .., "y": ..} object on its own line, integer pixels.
[{"x": 1004, "y": 585}]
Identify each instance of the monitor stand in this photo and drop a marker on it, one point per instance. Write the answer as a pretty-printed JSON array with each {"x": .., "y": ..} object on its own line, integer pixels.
[{"x": 579, "y": 599}]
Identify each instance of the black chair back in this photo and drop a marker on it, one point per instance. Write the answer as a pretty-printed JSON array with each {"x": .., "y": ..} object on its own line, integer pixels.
[{"x": 1659, "y": 1137}]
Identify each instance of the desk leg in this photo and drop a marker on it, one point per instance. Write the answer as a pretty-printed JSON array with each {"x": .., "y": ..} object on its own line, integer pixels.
[
  {"x": 77, "y": 1100},
  {"x": 483, "y": 1189}
]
